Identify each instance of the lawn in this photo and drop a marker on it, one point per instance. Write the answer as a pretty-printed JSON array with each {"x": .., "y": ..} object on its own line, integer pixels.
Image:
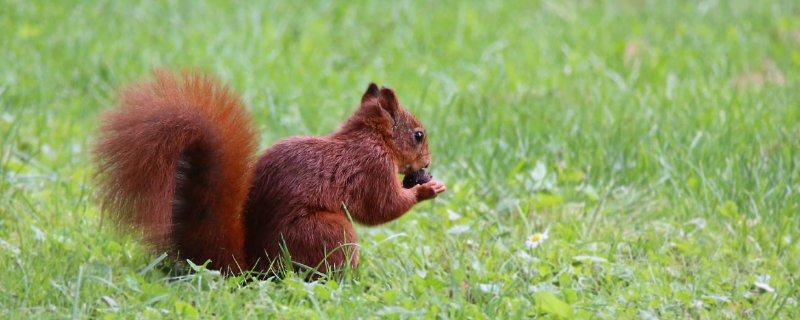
[{"x": 656, "y": 143}]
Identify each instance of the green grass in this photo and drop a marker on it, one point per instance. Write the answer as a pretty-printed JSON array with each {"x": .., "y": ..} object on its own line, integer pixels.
[{"x": 658, "y": 142}]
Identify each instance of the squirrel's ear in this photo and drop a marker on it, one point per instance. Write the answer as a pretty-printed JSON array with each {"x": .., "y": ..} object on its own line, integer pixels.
[
  {"x": 372, "y": 92},
  {"x": 388, "y": 101}
]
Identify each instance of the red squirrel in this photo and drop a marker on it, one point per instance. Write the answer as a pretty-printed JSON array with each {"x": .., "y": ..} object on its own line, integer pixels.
[{"x": 176, "y": 161}]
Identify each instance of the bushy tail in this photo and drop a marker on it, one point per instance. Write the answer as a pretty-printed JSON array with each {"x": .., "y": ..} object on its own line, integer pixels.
[{"x": 175, "y": 161}]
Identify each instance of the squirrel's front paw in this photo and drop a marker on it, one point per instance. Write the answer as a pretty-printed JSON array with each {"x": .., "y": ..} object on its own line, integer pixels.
[{"x": 429, "y": 190}]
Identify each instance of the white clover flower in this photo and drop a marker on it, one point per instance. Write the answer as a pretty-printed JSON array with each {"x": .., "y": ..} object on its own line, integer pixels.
[{"x": 536, "y": 239}]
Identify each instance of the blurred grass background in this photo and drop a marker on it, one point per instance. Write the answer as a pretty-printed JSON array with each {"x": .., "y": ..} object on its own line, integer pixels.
[{"x": 656, "y": 141}]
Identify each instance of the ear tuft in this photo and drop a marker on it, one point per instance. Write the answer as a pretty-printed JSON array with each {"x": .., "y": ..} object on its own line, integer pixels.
[
  {"x": 388, "y": 100},
  {"x": 371, "y": 93}
]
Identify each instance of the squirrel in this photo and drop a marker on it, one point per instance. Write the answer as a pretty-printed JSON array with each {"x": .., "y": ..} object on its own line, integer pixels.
[{"x": 176, "y": 162}]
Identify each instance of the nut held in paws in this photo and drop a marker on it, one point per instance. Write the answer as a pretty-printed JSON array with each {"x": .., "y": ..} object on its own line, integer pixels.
[{"x": 415, "y": 178}]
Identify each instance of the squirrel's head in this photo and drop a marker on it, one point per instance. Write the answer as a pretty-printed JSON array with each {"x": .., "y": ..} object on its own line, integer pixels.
[{"x": 404, "y": 135}]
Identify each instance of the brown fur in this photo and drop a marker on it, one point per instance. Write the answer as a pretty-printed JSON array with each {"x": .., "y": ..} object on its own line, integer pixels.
[{"x": 174, "y": 161}]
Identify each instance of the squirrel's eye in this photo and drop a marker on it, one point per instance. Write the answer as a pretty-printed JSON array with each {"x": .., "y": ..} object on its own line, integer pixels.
[{"x": 419, "y": 136}]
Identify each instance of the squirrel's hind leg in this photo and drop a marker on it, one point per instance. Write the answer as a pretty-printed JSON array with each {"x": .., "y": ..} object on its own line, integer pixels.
[{"x": 321, "y": 243}]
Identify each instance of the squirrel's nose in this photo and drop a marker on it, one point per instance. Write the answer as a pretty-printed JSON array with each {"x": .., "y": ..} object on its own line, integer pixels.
[{"x": 427, "y": 164}]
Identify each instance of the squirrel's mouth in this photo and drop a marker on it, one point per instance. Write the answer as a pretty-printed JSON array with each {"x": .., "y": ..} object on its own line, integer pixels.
[{"x": 405, "y": 169}]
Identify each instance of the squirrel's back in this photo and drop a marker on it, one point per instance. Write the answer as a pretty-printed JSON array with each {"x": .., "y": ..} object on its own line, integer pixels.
[{"x": 175, "y": 161}]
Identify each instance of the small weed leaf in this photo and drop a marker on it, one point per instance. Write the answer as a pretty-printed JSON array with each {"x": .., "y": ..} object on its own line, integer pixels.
[
  {"x": 730, "y": 209},
  {"x": 186, "y": 310},
  {"x": 547, "y": 302},
  {"x": 544, "y": 200}
]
